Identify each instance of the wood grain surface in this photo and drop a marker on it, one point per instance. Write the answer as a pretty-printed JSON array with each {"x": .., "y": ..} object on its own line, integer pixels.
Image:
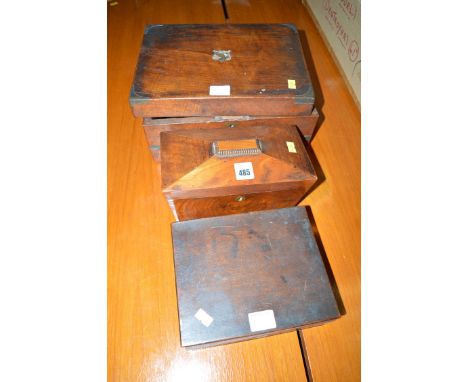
[
  {"x": 176, "y": 70},
  {"x": 236, "y": 265},
  {"x": 143, "y": 333},
  {"x": 237, "y": 203}
]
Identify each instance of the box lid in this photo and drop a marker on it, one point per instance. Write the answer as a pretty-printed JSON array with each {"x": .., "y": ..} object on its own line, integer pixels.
[
  {"x": 221, "y": 69},
  {"x": 248, "y": 275},
  {"x": 227, "y": 161}
]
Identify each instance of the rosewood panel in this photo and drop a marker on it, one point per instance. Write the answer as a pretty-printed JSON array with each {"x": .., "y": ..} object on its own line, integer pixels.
[
  {"x": 249, "y": 275},
  {"x": 186, "y": 209},
  {"x": 221, "y": 69}
]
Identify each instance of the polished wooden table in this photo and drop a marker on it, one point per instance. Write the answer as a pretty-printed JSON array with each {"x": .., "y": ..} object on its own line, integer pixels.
[{"x": 143, "y": 334}]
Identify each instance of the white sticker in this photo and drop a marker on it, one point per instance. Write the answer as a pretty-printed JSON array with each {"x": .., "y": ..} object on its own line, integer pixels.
[
  {"x": 220, "y": 90},
  {"x": 203, "y": 317},
  {"x": 291, "y": 147},
  {"x": 244, "y": 171},
  {"x": 262, "y": 320},
  {"x": 291, "y": 84}
]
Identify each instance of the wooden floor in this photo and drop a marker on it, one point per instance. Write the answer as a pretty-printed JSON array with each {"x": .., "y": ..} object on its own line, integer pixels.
[{"x": 143, "y": 335}]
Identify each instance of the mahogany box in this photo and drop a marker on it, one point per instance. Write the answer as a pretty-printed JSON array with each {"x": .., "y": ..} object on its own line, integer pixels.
[
  {"x": 204, "y": 76},
  {"x": 212, "y": 172},
  {"x": 249, "y": 275}
]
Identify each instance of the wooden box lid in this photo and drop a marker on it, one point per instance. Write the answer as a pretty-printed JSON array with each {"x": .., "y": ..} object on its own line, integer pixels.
[
  {"x": 249, "y": 275},
  {"x": 221, "y": 69},
  {"x": 226, "y": 161}
]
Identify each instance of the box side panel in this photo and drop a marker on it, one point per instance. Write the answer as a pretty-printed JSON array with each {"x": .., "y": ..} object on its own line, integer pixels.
[
  {"x": 187, "y": 107},
  {"x": 196, "y": 208}
]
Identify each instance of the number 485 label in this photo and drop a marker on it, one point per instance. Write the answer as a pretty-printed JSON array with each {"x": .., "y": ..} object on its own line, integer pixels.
[{"x": 244, "y": 171}]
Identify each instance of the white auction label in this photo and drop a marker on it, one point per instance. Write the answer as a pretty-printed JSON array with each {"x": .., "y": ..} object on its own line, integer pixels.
[
  {"x": 291, "y": 84},
  {"x": 203, "y": 317},
  {"x": 220, "y": 90},
  {"x": 262, "y": 320},
  {"x": 244, "y": 171},
  {"x": 291, "y": 147}
]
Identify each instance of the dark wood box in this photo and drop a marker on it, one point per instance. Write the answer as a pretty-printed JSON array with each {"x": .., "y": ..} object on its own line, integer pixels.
[
  {"x": 220, "y": 70},
  {"x": 154, "y": 126},
  {"x": 212, "y": 172},
  {"x": 249, "y": 275}
]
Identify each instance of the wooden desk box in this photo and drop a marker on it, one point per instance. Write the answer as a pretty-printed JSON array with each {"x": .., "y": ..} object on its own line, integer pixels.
[
  {"x": 249, "y": 275},
  {"x": 212, "y": 172},
  {"x": 221, "y": 69},
  {"x": 208, "y": 76}
]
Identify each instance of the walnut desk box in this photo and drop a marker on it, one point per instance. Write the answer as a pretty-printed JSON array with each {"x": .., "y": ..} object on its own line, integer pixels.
[
  {"x": 249, "y": 275},
  {"x": 195, "y": 76},
  {"x": 212, "y": 172}
]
